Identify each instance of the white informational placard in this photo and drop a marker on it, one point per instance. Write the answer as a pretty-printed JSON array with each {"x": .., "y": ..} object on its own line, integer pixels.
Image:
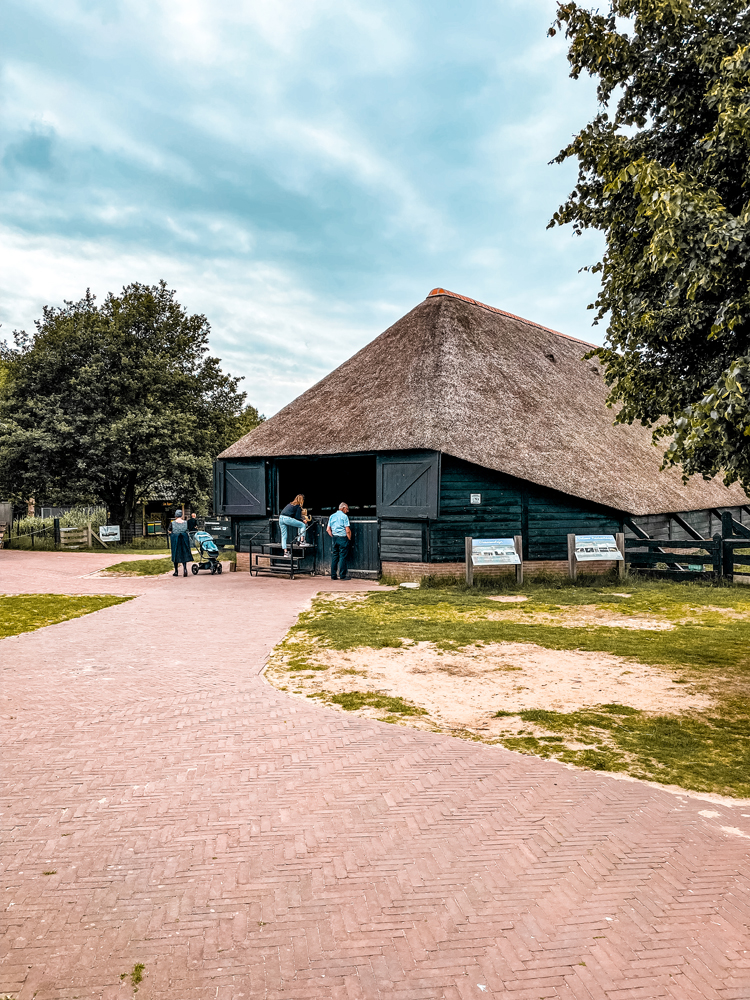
[
  {"x": 109, "y": 532},
  {"x": 494, "y": 552},
  {"x": 476, "y": 497},
  {"x": 590, "y": 548}
]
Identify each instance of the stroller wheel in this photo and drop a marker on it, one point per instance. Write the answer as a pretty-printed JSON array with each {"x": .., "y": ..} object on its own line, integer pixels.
[
  {"x": 195, "y": 569},
  {"x": 218, "y": 567},
  {"x": 213, "y": 569}
]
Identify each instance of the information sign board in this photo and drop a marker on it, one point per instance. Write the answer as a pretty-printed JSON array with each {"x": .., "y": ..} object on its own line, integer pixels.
[
  {"x": 596, "y": 547},
  {"x": 109, "y": 532},
  {"x": 494, "y": 552}
]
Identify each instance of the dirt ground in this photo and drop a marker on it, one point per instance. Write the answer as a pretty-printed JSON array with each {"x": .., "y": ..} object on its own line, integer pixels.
[{"x": 464, "y": 689}]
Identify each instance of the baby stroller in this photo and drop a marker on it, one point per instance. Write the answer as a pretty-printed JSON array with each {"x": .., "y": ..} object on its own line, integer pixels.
[{"x": 208, "y": 553}]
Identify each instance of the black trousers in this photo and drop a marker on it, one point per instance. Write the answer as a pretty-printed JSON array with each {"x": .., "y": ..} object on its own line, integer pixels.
[{"x": 339, "y": 552}]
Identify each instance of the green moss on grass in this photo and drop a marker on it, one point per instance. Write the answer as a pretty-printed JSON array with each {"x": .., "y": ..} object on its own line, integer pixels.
[
  {"x": 709, "y": 753},
  {"x": 451, "y": 619},
  {"x": 141, "y": 567},
  {"x": 28, "y": 612},
  {"x": 352, "y": 701}
]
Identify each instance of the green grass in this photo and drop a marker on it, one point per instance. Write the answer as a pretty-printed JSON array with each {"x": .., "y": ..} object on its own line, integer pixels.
[
  {"x": 707, "y": 751},
  {"x": 352, "y": 701},
  {"x": 710, "y": 753},
  {"x": 455, "y": 618},
  {"x": 141, "y": 567},
  {"x": 27, "y": 612}
]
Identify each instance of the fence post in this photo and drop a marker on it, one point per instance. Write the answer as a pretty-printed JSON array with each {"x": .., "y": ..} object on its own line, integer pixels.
[
  {"x": 88, "y": 535},
  {"x": 469, "y": 562},
  {"x": 518, "y": 543},
  {"x": 727, "y": 527},
  {"x": 572, "y": 567},
  {"x": 620, "y": 542},
  {"x": 717, "y": 547},
  {"x": 727, "y": 557},
  {"x": 56, "y": 524}
]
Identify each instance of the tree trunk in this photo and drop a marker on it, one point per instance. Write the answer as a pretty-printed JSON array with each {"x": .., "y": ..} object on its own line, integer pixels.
[{"x": 130, "y": 498}]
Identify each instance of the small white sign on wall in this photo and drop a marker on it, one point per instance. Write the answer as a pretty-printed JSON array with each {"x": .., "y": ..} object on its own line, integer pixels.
[
  {"x": 476, "y": 497},
  {"x": 109, "y": 532}
]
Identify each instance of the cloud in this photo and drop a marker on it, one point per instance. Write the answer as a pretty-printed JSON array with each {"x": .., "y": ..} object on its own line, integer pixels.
[{"x": 302, "y": 171}]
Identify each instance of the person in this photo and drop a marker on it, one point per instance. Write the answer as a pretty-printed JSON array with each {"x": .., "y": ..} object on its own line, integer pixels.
[
  {"x": 180, "y": 543},
  {"x": 341, "y": 534},
  {"x": 292, "y": 517},
  {"x": 192, "y": 522}
]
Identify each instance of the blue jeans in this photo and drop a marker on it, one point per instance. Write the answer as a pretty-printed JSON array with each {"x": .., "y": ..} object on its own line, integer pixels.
[
  {"x": 339, "y": 550},
  {"x": 291, "y": 522}
]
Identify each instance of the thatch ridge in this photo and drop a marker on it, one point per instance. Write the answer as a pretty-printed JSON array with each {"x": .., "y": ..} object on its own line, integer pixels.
[{"x": 456, "y": 376}]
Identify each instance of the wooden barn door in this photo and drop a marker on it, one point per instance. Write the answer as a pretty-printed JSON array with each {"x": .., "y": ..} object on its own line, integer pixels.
[
  {"x": 408, "y": 484},
  {"x": 240, "y": 488}
]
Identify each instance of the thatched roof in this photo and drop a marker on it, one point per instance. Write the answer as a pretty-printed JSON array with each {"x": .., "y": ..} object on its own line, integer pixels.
[{"x": 456, "y": 376}]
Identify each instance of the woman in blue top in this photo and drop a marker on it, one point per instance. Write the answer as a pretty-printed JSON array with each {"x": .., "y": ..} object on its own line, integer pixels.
[{"x": 292, "y": 517}]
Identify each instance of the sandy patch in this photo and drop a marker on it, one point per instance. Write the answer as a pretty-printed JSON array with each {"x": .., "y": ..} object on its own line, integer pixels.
[
  {"x": 584, "y": 616},
  {"x": 465, "y": 688}
]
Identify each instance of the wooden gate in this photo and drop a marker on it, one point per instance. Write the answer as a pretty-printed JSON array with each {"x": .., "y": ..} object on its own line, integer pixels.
[{"x": 364, "y": 549}]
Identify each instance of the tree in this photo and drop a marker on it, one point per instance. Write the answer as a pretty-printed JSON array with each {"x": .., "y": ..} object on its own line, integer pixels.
[
  {"x": 664, "y": 173},
  {"x": 111, "y": 403}
]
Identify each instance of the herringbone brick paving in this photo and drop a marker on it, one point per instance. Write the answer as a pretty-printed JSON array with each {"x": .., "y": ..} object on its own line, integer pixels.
[{"x": 242, "y": 843}]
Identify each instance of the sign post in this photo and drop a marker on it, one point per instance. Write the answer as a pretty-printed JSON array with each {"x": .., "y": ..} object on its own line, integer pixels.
[
  {"x": 493, "y": 552},
  {"x": 596, "y": 548}
]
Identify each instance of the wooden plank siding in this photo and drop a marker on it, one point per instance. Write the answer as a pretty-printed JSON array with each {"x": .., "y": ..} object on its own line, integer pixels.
[
  {"x": 704, "y": 521},
  {"x": 509, "y": 507},
  {"x": 403, "y": 541}
]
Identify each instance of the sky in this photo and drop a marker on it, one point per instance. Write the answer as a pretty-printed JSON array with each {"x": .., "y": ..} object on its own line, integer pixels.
[{"x": 303, "y": 173}]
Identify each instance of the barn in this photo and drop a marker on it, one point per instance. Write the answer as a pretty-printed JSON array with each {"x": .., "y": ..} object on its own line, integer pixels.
[{"x": 461, "y": 420}]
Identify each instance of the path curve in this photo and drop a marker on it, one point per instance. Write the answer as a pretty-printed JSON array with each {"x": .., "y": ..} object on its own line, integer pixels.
[{"x": 243, "y": 844}]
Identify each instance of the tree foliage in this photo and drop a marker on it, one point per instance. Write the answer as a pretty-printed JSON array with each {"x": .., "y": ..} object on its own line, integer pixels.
[
  {"x": 663, "y": 173},
  {"x": 115, "y": 403}
]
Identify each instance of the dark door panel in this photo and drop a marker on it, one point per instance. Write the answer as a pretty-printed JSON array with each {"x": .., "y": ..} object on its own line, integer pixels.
[
  {"x": 408, "y": 484},
  {"x": 240, "y": 488}
]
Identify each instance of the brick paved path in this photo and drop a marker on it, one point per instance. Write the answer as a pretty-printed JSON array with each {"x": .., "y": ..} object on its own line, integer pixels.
[{"x": 241, "y": 843}]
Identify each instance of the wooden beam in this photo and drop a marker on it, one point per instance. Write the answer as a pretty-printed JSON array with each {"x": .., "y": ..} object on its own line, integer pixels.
[
  {"x": 469, "y": 562},
  {"x": 518, "y": 543},
  {"x": 687, "y": 527},
  {"x": 572, "y": 564},
  {"x": 635, "y": 528},
  {"x": 620, "y": 541}
]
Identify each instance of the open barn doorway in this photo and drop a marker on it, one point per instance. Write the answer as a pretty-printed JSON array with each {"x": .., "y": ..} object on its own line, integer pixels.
[{"x": 327, "y": 482}]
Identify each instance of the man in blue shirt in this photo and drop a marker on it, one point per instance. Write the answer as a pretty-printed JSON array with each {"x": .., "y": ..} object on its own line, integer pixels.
[{"x": 341, "y": 534}]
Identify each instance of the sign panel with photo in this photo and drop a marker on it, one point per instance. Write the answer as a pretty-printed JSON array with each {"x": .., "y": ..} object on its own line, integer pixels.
[
  {"x": 109, "y": 532},
  {"x": 590, "y": 548},
  {"x": 494, "y": 552}
]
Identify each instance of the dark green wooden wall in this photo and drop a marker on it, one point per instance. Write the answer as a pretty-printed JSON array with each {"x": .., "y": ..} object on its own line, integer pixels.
[{"x": 509, "y": 507}]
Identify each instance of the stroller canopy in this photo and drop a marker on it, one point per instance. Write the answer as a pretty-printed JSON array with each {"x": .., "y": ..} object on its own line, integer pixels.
[{"x": 205, "y": 541}]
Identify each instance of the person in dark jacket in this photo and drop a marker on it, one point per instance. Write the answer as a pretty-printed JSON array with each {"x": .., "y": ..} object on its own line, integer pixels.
[
  {"x": 179, "y": 541},
  {"x": 292, "y": 517}
]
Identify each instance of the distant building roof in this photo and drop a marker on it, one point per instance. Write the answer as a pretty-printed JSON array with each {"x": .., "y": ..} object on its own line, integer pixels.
[{"x": 457, "y": 376}]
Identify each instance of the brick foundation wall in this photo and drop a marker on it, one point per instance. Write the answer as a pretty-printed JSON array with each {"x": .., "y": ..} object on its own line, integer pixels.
[
  {"x": 412, "y": 572},
  {"x": 243, "y": 562}
]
